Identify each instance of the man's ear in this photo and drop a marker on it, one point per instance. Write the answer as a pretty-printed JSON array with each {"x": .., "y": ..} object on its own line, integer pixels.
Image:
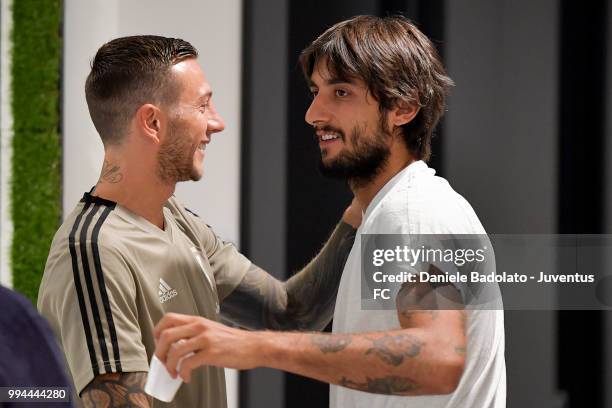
[
  {"x": 149, "y": 121},
  {"x": 404, "y": 112}
]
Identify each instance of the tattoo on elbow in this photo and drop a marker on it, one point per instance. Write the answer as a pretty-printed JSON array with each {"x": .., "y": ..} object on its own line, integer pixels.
[{"x": 394, "y": 349}]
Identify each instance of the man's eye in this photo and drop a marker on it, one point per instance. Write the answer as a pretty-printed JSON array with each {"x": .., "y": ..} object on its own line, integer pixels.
[
  {"x": 341, "y": 93},
  {"x": 314, "y": 92}
]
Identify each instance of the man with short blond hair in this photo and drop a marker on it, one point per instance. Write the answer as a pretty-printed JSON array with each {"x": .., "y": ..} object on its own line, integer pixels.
[{"x": 130, "y": 251}]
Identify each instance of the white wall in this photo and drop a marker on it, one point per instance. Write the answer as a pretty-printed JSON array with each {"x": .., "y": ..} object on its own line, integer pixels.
[
  {"x": 214, "y": 28},
  {"x": 6, "y": 136}
]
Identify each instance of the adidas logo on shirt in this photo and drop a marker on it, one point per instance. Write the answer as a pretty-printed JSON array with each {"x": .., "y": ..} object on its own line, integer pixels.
[{"x": 165, "y": 291}]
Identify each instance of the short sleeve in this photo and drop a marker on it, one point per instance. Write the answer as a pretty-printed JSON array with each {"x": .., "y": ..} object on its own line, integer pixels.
[
  {"x": 90, "y": 301},
  {"x": 426, "y": 256},
  {"x": 228, "y": 265}
]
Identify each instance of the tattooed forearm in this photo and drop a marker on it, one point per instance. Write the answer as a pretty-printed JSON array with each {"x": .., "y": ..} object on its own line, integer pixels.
[
  {"x": 117, "y": 390},
  {"x": 460, "y": 350},
  {"x": 390, "y": 385},
  {"x": 110, "y": 173},
  {"x": 305, "y": 301},
  {"x": 393, "y": 349},
  {"x": 311, "y": 293},
  {"x": 331, "y": 343},
  {"x": 258, "y": 302}
]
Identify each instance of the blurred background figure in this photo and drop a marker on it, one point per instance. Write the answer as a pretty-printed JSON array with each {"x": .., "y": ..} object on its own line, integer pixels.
[{"x": 29, "y": 356}]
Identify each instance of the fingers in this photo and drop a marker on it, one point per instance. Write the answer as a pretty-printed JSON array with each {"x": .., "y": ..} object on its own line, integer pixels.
[
  {"x": 170, "y": 320},
  {"x": 183, "y": 343},
  {"x": 189, "y": 363},
  {"x": 180, "y": 351},
  {"x": 173, "y": 327},
  {"x": 169, "y": 337}
]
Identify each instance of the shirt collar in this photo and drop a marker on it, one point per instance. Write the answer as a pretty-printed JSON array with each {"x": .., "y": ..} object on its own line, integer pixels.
[{"x": 407, "y": 173}]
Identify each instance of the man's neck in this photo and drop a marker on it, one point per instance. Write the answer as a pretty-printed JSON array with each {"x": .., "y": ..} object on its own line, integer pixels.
[
  {"x": 396, "y": 163},
  {"x": 141, "y": 192}
]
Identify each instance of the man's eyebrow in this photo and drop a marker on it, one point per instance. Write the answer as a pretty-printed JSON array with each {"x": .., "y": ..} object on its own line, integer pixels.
[
  {"x": 332, "y": 81},
  {"x": 336, "y": 81}
]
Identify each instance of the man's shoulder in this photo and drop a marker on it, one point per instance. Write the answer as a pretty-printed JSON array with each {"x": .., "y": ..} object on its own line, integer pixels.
[
  {"x": 420, "y": 194},
  {"x": 85, "y": 229},
  {"x": 86, "y": 223},
  {"x": 426, "y": 205}
]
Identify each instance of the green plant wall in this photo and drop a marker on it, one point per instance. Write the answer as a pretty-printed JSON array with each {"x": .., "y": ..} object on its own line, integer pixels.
[{"x": 36, "y": 162}]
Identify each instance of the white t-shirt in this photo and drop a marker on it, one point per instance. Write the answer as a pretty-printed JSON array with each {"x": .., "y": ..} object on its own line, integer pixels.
[{"x": 416, "y": 201}]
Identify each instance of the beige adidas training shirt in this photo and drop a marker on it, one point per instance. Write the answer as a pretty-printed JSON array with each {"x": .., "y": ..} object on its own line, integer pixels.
[{"x": 110, "y": 277}]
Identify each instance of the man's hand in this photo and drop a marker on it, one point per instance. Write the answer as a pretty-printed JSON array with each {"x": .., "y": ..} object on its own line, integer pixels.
[
  {"x": 212, "y": 344},
  {"x": 425, "y": 356},
  {"x": 352, "y": 215}
]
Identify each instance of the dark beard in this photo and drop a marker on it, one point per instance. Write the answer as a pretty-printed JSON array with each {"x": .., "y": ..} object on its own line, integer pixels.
[{"x": 361, "y": 165}]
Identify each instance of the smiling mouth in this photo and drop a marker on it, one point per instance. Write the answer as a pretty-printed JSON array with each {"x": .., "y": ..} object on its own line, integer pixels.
[{"x": 326, "y": 136}]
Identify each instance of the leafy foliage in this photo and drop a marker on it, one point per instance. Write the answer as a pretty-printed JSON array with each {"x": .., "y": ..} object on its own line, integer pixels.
[{"x": 36, "y": 163}]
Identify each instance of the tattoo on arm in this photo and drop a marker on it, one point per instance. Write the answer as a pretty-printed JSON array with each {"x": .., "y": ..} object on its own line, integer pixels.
[
  {"x": 258, "y": 302},
  {"x": 394, "y": 349},
  {"x": 305, "y": 301},
  {"x": 421, "y": 303},
  {"x": 390, "y": 385},
  {"x": 117, "y": 390},
  {"x": 311, "y": 293},
  {"x": 110, "y": 173},
  {"x": 331, "y": 343}
]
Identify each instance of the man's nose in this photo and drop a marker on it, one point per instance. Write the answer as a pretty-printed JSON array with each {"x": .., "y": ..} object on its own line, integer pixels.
[
  {"x": 215, "y": 121},
  {"x": 317, "y": 111}
]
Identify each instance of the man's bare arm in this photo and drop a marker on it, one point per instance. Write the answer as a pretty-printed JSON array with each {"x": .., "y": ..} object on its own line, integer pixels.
[
  {"x": 424, "y": 355},
  {"x": 305, "y": 301},
  {"x": 117, "y": 390}
]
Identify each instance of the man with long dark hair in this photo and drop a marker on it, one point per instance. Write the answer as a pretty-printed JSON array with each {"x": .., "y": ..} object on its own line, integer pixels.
[{"x": 379, "y": 90}]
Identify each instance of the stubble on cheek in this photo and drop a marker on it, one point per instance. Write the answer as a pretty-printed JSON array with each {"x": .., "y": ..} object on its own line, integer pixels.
[{"x": 176, "y": 158}]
